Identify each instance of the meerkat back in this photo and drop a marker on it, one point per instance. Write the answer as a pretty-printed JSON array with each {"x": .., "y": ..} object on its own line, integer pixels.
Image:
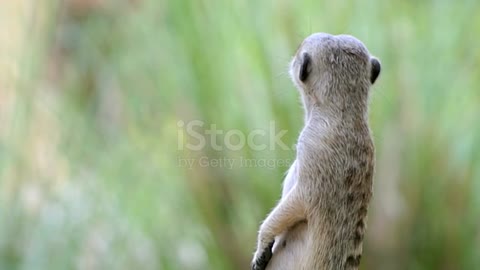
[{"x": 323, "y": 216}]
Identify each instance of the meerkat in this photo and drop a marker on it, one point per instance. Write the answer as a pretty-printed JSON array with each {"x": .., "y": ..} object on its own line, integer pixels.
[{"x": 320, "y": 220}]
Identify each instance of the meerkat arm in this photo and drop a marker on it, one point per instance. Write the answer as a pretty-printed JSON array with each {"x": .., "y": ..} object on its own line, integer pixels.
[{"x": 287, "y": 213}]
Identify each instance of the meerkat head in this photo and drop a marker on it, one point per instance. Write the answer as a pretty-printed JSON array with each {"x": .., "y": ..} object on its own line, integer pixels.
[{"x": 338, "y": 69}]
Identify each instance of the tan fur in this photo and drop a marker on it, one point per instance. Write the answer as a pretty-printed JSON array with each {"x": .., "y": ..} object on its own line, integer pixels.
[{"x": 320, "y": 221}]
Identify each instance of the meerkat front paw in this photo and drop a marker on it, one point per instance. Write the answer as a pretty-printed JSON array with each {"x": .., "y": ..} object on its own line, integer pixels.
[{"x": 262, "y": 257}]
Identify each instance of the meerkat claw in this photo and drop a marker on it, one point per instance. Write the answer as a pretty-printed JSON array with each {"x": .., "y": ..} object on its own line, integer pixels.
[{"x": 261, "y": 261}]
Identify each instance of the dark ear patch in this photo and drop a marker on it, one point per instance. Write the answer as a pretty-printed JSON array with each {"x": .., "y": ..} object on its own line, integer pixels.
[
  {"x": 376, "y": 67},
  {"x": 305, "y": 67}
]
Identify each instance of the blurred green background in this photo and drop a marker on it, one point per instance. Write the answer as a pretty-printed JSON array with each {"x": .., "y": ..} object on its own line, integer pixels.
[{"x": 93, "y": 95}]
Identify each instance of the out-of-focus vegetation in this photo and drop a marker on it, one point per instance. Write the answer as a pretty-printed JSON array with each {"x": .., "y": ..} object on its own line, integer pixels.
[{"x": 93, "y": 95}]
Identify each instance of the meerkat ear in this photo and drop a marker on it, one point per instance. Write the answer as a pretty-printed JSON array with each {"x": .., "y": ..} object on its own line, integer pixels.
[
  {"x": 305, "y": 67},
  {"x": 376, "y": 67}
]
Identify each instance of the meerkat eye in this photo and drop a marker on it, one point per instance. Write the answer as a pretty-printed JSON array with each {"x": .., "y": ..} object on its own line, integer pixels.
[
  {"x": 305, "y": 67},
  {"x": 376, "y": 67}
]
